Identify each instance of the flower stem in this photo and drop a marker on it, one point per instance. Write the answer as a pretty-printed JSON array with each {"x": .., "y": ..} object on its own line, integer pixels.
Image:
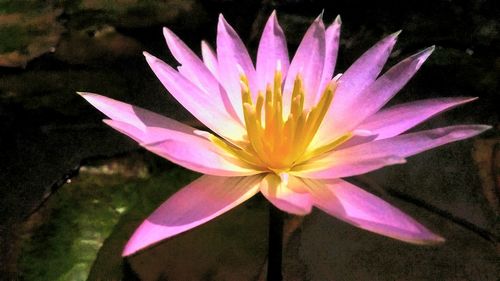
[{"x": 275, "y": 248}]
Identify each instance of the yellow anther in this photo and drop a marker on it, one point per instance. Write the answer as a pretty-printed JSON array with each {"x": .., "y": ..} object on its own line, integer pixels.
[
  {"x": 253, "y": 130},
  {"x": 277, "y": 82},
  {"x": 243, "y": 79},
  {"x": 245, "y": 92},
  {"x": 325, "y": 148},
  {"x": 237, "y": 152},
  {"x": 258, "y": 107},
  {"x": 269, "y": 109},
  {"x": 274, "y": 143}
]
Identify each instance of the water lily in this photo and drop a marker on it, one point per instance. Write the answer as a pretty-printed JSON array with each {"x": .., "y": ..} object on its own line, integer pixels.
[{"x": 288, "y": 129}]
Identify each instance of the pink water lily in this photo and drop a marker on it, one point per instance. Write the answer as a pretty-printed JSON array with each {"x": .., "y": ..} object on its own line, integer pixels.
[{"x": 288, "y": 129}]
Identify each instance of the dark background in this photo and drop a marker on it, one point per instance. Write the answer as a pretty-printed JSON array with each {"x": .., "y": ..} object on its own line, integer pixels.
[{"x": 51, "y": 49}]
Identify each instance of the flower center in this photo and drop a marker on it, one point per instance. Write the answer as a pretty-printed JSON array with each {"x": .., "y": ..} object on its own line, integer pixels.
[{"x": 277, "y": 142}]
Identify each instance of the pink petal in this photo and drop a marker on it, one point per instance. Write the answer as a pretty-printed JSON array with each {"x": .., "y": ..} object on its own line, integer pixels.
[
  {"x": 395, "y": 120},
  {"x": 410, "y": 144},
  {"x": 134, "y": 115},
  {"x": 309, "y": 62},
  {"x": 358, "y": 137},
  {"x": 332, "y": 38},
  {"x": 384, "y": 88},
  {"x": 203, "y": 157},
  {"x": 197, "y": 203},
  {"x": 288, "y": 195},
  {"x": 233, "y": 58},
  {"x": 209, "y": 109},
  {"x": 364, "y": 210},
  {"x": 370, "y": 156},
  {"x": 340, "y": 165},
  {"x": 210, "y": 59},
  {"x": 364, "y": 71},
  {"x": 196, "y": 71},
  {"x": 357, "y": 77},
  {"x": 168, "y": 138},
  {"x": 189, "y": 151},
  {"x": 272, "y": 49}
]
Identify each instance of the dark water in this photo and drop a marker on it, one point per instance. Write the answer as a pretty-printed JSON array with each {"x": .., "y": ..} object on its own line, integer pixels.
[{"x": 50, "y": 49}]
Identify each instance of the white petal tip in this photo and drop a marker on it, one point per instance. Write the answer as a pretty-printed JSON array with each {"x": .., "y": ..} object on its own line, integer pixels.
[
  {"x": 108, "y": 122},
  {"x": 428, "y": 50},
  {"x": 396, "y": 34},
  {"x": 337, "y": 77},
  {"x": 479, "y": 128},
  {"x": 223, "y": 25},
  {"x": 149, "y": 57},
  {"x": 168, "y": 34},
  {"x": 434, "y": 239},
  {"x": 319, "y": 18},
  {"x": 222, "y": 19},
  {"x": 469, "y": 99},
  {"x": 395, "y": 160},
  {"x": 422, "y": 56},
  {"x": 90, "y": 97},
  {"x": 439, "y": 239},
  {"x": 482, "y": 128},
  {"x": 338, "y": 20}
]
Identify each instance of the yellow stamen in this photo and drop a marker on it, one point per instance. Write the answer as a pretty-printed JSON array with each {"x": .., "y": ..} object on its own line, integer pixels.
[
  {"x": 258, "y": 107},
  {"x": 277, "y": 142}
]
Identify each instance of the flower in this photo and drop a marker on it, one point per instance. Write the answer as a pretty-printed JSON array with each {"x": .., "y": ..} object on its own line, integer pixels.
[{"x": 284, "y": 128}]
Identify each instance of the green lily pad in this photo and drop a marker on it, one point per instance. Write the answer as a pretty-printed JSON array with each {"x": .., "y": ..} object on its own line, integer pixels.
[{"x": 81, "y": 215}]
